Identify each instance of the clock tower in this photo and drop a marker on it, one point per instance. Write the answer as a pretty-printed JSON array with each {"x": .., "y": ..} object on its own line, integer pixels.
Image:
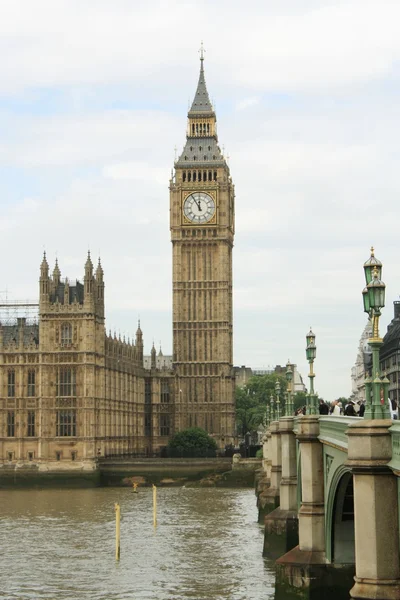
[{"x": 202, "y": 231}]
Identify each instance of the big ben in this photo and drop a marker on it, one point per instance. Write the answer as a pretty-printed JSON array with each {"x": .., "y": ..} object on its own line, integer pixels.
[{"x": 202, "y": 232}]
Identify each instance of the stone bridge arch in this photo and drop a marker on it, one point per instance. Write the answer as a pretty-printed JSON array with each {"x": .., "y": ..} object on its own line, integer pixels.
[{"x": 339, "y": 516}]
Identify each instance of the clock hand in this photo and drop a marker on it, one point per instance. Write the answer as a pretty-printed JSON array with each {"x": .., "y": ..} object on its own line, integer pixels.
[{"x": 197, "y": 203}]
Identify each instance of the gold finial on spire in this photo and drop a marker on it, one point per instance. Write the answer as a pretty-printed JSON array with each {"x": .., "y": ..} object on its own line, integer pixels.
[
  {"x": 202, "y": 51},
  {"x": 372, "y": 251}
]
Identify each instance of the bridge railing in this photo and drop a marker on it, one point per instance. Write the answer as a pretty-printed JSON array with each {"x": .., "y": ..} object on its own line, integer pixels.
[
  {"x": 394, "y": 464},
  {"x": 332, "y": 430}
]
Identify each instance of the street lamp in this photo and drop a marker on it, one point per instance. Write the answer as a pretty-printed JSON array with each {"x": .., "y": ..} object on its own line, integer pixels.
[
  {"x": 311, "y": 352},
  {"x": 278, "y": 402},
  {"x": 374, "y": 301},
  {"x": 267, "y": 414},
  {"x": 289, "y": 377}
]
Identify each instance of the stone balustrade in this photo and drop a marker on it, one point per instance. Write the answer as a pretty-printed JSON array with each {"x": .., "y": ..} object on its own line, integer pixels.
[{"x": 328, "y": 493}]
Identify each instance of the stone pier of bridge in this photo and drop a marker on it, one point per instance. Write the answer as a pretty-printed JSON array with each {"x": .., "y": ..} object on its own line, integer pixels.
[{"x": 328, "y": 494}]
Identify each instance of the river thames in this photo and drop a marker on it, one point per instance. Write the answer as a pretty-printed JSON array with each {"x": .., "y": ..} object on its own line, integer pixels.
[{"x": 60, "y": 544}]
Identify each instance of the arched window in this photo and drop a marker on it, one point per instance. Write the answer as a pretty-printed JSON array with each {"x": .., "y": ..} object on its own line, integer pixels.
[
  {"x": 204, "y": 175},
  {"x": 192, "y": 129},
  {"x": 184, "y": 176},
  {"x": 208, "y": 127},
  {"x": 200, "y": 148},
  {"x": 66, "y": 334},
  {"x": 189, "y": 176},
  {"x": 199, "y": 176},
  {"x": 215, "y": 175},
  {"x": 194, "y": 175},
  {"x": 209, "y": 176}
]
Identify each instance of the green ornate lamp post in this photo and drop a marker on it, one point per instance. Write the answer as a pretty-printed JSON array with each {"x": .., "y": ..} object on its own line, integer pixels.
[
  {"x": 289, "y": 378},
  {"x": 311, "y": 352},
  {"x": 374, "y": 301},
  {"x": 267, "y": 414},
  {"x": 278, "y": 402}
]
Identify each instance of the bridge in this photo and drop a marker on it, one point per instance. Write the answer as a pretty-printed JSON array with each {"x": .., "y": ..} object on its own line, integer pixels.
[{"x": 329, "y": 495}]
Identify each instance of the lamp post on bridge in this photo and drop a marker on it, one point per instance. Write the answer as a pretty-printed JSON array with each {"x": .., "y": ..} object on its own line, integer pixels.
[
  {"x": 311, "y": 352},
  {"x": 374, "y": 301},
  {"x": 278, "y": 402},
  {"x": 289, "y": 378},
  {"x": 272, "y": 408}
]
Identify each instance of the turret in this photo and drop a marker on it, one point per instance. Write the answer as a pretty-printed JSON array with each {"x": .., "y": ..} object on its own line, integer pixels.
[
  {"x": 139, "y": 344},
  {"x": 44, "y": 279},
  {"x": 88, "y": 279},
  {"x": 66, "y": 292},
  {"x": 153, "y": 357},
  {"x": 100, "y": 286},
  {"x": 56, "y": 275}
]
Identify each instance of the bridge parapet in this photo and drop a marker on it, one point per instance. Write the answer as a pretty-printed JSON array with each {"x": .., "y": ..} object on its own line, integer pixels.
[
  {"x": 332, "y": 430},
  {"x": 394, "y": 464}
]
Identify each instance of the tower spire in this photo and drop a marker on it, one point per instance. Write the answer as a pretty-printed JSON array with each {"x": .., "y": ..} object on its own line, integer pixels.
[{"x": 201, "y": 105}]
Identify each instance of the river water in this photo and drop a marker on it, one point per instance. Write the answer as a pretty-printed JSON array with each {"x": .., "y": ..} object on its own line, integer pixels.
[{"x": 59, "y": 544}]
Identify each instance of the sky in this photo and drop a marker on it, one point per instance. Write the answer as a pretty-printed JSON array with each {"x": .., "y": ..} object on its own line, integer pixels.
[{"x": 93, "y": 102}]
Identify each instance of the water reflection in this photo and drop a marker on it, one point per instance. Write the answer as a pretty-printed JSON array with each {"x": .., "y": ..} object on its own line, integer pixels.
[{"x": 59, "y": 544}]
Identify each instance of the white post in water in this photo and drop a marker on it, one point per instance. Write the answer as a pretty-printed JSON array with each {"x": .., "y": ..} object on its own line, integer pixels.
[
  {"x": 154, "y": 505},
  {"x": 117, "y": 531}
]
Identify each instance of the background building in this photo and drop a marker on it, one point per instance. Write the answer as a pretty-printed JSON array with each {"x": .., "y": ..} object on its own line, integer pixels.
[
  {"x": 363, "y": 363},
  {"x": 244, "y": 373},
  {"x": 68, "y": 391},
  {"x": 390, "y": 354}
]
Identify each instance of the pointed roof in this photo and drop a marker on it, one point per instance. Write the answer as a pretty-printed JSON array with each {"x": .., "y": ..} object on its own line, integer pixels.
[
  {"x": 56, "y": 270},
  {"x": 89, "y": 264},
  {"x": 201, "y": 103},
  {"x": 45, "y": 264},
  {"x": 201, "y": 150},
  {"x": 99, "y": 270}
]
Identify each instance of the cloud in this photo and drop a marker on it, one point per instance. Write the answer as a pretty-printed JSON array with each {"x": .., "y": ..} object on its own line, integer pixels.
[
  {"x": 247, "y": 102},
  {"x": 93, "y": 102}
]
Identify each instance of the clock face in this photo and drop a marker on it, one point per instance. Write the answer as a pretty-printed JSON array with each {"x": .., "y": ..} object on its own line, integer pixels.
[{"x": 199, "y": 207}]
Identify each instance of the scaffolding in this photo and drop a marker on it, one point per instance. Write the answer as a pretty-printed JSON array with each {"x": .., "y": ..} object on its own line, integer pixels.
[{"x": 12, "y": 310}]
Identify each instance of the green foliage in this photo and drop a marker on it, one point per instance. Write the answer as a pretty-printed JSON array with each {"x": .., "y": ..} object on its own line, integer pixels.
[
  {"x": 259, "y": 453},
  {"x": 299, "y": 400},
  {"x": 191, "y": 443},
  {"x": 252, "y": 399}
]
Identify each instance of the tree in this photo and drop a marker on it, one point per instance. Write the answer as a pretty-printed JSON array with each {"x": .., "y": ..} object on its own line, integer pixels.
[
  {"x": 299, "y": 400},
  {"x": 191, "y": 443},
  {"x": 252, "y": 399}
]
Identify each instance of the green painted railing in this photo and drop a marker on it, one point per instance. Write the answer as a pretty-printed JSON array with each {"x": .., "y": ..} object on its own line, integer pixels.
[
  {"x": 332, "y": 430},
  {"x": 395, "y": 431}
]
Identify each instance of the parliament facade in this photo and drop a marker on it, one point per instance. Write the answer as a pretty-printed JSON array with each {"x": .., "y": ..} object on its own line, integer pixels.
[{"x": 71, "y": 393}]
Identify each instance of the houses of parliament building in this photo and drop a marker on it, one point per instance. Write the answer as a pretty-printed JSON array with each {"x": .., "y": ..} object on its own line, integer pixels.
[{"x": 70, "y": 392}]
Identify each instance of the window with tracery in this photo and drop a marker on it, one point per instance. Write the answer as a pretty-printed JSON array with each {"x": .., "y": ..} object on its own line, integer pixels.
[
  {"x": 66, "y": 334},
  {"x": 66, "y": 382}
]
